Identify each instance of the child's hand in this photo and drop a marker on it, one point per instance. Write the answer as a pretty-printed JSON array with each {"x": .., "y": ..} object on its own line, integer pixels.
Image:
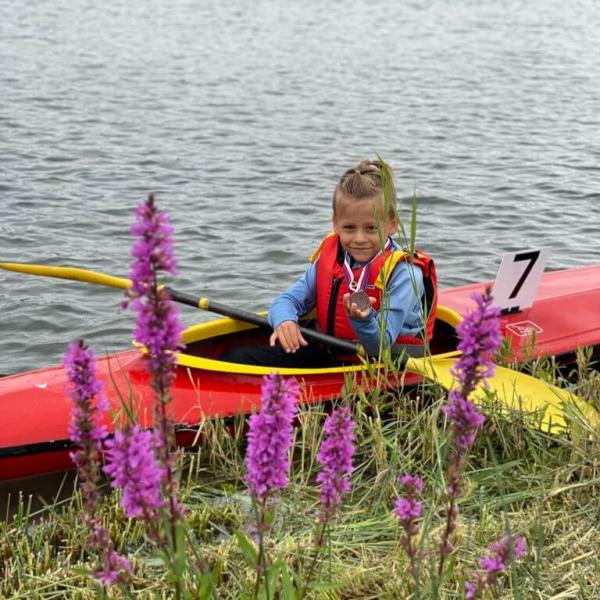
[
  {"x": 289, "y": 336},
  {"x": 353, "y": 310}
]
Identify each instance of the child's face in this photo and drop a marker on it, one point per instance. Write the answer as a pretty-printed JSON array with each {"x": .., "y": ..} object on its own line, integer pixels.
[{"x": 356, "y": 222}]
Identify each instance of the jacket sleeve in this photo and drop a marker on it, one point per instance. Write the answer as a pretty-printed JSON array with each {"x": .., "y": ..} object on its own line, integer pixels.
[
  {"x": 405, "y": 314},
  {"x": 297, "y": 300}
]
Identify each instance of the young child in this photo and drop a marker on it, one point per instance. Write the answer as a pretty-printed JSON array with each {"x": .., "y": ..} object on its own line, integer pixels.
[{"x": 346, "y": 279}]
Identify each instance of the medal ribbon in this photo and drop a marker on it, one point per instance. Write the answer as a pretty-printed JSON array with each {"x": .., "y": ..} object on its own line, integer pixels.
[{"x": 361, "y": 283}]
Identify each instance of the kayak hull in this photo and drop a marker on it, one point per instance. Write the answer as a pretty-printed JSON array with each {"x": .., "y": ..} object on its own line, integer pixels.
[{"x": 34, "y": 438}]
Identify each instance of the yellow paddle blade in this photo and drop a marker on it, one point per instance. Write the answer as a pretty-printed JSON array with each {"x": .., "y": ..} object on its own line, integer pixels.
[
  {"x": 515, "y": 391},
  {"x": 68, "y": 273}
]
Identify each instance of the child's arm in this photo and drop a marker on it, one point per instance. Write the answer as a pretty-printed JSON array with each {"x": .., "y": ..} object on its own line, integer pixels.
[
  {"x": 288, "y": 307},
  {"x": 405, "y": 313}
]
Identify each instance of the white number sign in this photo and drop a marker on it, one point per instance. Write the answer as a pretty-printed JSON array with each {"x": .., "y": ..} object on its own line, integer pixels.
[{"x": 518, "y": 279}]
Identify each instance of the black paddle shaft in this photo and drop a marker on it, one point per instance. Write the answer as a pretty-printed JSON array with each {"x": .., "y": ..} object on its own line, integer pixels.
[{"x": 344, "y": 346}]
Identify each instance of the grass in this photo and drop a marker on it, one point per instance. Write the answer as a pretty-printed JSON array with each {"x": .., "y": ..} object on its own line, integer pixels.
[{"x": 520, "y": 480}]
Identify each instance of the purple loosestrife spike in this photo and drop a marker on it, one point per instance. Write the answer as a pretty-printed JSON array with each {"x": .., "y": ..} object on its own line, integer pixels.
[
  {"x": 335, "y": 457},
  {"x": 86, "y": 427},
  {"x": 480, "y": 339},
  {"x": 86, "y": 416},
  {"x": 157, "y": 326},
  {"x": 495, "y": 564},
  {"x": 473, "y": 589},
  {"x": 412, "y": 483},
  {"x": 500, "y": 554},
  {"x": 87, "y": 431},
  {"x": 114, "y": 568},
  {"x": 270, "y": 436},
  {"x": 133, "y": 467},
  {"x": 409, "y": 510},
  {"x": 154, "y": 249}
]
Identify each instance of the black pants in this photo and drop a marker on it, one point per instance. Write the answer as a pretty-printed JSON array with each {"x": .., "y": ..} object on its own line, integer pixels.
[{"x": 306, "y": 357}]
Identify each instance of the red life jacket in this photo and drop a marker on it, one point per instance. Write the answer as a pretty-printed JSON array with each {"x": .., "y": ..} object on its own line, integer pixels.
[{"x": 331, "y": 287}]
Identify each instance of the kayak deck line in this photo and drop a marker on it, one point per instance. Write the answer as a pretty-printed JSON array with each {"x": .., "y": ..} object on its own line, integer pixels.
[
  {"x": 40, "y": 447},
  {"x": 24, "y": 461},
  {"x": 67, "y": 444},
  {"x": 36, "y": 409}
]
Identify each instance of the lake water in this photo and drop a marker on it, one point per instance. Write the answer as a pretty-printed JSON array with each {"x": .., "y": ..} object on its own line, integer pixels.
[{"x": 241, "y": 116}]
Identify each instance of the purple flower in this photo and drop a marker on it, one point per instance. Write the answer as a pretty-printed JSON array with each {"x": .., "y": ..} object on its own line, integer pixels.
[
  {"x": 412, "y": 482},
  {"x": 157, "y": 326},
  {"x": 86, "y": 427},
  {"x": 270, "y": 436},
  {"x": 133, "y": 467},
  {"x": 335, "y": 457},
  {"x": 480, "y": 339},
  {"x": 407, "y": 508},
  {"x": 114, "y": 568},
  {"x": 86, "y": 430},
  {"x": 500, "y": 554},
  {"x": 86, "y": 415},
  {"x": 473, "y": 589},
  {"x": 495, "y": 564},
  {"x": 154, "y": 250}
]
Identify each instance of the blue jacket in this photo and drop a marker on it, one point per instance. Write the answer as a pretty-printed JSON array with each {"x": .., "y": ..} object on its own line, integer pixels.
[{"x": 404, "y": 317}]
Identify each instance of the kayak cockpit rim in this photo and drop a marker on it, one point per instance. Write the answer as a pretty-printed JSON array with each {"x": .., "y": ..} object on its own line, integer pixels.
[{"x": 227, "y": 326}]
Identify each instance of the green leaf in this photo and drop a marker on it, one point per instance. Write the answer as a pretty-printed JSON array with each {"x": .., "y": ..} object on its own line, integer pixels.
[
  {"x": 413, "y": 227},
  {"x": 287, "y": 587},
  {"x": 248, "y": 548},
  {"x": 180, "y": 558},
  {"x": 270, "y": 581},
  {"x": 268, "y": 517},
  {"x": 272, "y": 577},
  {"x": 207, "y": 587}
]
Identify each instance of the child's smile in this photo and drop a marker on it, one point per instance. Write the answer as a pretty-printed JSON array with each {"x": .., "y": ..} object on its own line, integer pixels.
[{"x": 357, "y": 221}]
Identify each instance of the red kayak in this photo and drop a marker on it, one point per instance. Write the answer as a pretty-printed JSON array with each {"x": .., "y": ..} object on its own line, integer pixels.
[{"x": 34, "y": 438}]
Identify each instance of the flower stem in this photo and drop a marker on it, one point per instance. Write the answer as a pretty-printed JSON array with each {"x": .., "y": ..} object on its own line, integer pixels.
[{"x": 313, "y": 563}]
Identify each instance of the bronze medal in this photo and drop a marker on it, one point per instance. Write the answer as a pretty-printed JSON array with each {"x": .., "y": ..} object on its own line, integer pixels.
[{"x": 361, "y": 300}]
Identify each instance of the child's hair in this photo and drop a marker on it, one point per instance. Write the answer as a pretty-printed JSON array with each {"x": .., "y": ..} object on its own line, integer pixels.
[{"x": 366, "y": 180}]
